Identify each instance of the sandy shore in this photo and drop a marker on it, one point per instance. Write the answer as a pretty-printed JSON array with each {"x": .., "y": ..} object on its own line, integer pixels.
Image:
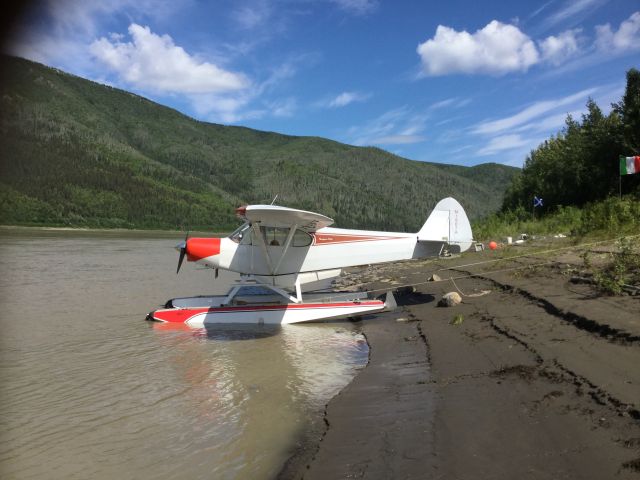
[{"x": 539, "y": 379}]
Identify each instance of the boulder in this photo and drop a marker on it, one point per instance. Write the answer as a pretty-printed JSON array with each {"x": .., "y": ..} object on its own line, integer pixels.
[
  {"x": 434, "y": 278},
  {"x": 450, "y": 299}
]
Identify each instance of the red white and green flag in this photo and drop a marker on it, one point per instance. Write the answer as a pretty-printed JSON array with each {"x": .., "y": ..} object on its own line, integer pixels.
[{"x": 629, "y": 165}]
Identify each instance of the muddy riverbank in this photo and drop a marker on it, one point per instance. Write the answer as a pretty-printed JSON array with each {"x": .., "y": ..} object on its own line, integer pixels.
[{"x": 532, "y": 376}]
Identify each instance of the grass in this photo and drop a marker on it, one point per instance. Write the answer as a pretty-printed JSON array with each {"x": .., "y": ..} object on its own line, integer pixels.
[
  {"x": 611, "y": 217},
  {"x": 623, "y": 268}
]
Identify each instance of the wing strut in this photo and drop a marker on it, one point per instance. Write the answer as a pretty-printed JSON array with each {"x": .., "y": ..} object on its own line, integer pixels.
[
  {"x": 257, "y": 234},
  {"x": 287, "y": 244}
]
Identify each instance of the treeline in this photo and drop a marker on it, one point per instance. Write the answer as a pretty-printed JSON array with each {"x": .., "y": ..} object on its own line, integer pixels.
[
  {"x": 580, "y": 165},
  {"x": 76, "y": 153}
]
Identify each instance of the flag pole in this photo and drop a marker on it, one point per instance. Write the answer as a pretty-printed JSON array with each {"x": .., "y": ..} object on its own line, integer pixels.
[
  {"x": 622, "y": 162},
  {"x": 533, "y": 212}
]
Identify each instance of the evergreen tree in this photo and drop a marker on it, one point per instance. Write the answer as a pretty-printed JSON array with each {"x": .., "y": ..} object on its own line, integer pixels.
[{"x": 581, "y": 163}]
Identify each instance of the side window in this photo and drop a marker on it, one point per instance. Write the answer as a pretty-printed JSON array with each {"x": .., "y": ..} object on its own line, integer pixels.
[
  {"x": 277, "y": 237},
  {"x": 274, "y": 236},
  {"x": 301, "y": 239}
]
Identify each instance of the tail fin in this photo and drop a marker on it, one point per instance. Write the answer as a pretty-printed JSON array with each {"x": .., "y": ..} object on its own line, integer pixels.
[{"x": 448, "y": 223}]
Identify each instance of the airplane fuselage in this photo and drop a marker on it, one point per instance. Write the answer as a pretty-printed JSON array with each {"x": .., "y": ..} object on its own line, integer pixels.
[
  {"x": 327, "y": 249},
  {"x": 285, "y": 246}
]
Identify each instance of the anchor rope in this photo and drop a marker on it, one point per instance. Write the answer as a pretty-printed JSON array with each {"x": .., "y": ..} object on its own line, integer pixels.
[{"x": 490, "y": 272}]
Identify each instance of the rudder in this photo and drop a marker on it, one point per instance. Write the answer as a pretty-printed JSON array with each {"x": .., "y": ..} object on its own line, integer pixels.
[{"x": 448, "y": 223}]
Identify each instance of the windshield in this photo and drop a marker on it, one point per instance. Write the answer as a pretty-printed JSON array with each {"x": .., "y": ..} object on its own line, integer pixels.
[
  {"x": 240, "y": 233},
  {"x": 272, "y": 236}
]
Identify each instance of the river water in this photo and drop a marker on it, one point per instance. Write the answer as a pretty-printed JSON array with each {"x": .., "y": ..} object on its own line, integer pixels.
[{"x": 88, "y": 389}]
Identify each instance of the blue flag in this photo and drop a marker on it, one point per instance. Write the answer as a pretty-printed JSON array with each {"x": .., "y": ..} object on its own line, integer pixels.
[{"x": 537, "y": 202}]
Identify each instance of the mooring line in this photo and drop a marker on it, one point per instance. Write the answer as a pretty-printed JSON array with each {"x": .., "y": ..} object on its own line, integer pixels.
[
  {"x": 502, "y": 270},
  {"x": 459, "y": 277},
  {"x": 533, "y": 254}
]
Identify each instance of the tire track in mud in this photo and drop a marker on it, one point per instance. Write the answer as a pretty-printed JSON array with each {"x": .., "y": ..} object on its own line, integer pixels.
[
  {"x": 582, "y": 384},
  {"x": 605, "y": 331}
]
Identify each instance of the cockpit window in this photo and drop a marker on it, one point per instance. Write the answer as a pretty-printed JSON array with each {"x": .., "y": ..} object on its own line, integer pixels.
[
  {"x": 242, "y": 234},
  {"x": 272, "y": 236}
]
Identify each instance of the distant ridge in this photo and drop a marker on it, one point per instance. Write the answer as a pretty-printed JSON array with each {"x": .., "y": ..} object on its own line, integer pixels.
[{"x": 77, "y": 153}]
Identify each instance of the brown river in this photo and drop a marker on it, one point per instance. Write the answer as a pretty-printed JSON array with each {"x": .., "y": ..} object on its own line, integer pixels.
[{"x": 89, "y": 389}]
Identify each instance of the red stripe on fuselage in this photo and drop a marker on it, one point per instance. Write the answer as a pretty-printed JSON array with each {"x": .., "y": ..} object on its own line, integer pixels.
[
  {"x": 181, "y": 315},
  {"x": 331, "y": 238}
]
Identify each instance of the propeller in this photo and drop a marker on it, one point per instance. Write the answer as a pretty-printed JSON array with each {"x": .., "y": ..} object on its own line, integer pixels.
[{"x": 182, "y": 248}]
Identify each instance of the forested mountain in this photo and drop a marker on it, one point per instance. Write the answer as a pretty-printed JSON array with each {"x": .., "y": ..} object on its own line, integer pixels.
[{"x": 77, "y": 153}]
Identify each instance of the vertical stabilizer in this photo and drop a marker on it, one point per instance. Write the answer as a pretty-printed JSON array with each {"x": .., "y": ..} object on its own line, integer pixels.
[{"x": 448, "y": 223}]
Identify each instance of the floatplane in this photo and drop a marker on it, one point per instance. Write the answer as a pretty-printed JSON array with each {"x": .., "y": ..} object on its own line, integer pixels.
[{"x": 278, "y": 250}]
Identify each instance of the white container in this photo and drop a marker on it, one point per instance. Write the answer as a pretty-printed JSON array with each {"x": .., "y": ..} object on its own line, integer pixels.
[{"x": 509, "y": 240}]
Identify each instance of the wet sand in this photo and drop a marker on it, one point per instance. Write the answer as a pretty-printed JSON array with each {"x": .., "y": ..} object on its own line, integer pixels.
[{"x": 541, "y": 379}]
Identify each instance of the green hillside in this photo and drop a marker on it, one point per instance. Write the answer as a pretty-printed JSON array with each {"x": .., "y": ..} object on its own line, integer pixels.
[{"x": 77, "y": 153}]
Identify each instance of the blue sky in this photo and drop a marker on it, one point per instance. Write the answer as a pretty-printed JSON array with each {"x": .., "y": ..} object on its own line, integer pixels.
[{"x": 462, "y": 82}]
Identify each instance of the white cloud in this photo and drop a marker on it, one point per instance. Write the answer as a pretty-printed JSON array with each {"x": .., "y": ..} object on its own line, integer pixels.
[
  {"x": 283, "y": 108},
  {"x": 224, "y": 108},
  {"x": 358, "y": 7},
  {"x": 550, "y": 123},
  {"x": 503, "y": 142},
  {"x": 572, "y": 11},
  {"x": 496, "y": 49},
  {"x": 531, "y": 112},
  {"x": 154, "y": 63},
  {"x": 344, "y": 99},
  {"x": 557, "y": 49},
  {"x": 539, "y": 10},
  {"x": 626, "y": 38},
  {"x": 64, "y": 28},
  {"x": 450, "y": 103},
  {"x": 399, "y": 126},
  {"x": 251, "y": 16},
  {"x": 398, "y": 140}
]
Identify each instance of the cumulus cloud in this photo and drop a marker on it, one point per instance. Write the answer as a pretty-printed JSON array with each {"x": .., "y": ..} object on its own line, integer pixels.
[
  {"x": 496, "y": 49},
  {"x": 557, "y": 49},
  {"x": 58, "y": 32},
  {"x": 626, "y": 38},
  {"x": 154, "y": 62}
]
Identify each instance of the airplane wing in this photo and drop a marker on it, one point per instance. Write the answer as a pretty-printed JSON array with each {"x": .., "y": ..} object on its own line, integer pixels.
[{"x": 274, "y": 216}]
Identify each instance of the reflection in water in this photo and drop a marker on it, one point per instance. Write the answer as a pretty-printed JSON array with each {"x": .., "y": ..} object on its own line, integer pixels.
[
  {"x": 90, "y": 390},
  {"x": 262, "y": 383},
  {"x": 221, "y": 331}
]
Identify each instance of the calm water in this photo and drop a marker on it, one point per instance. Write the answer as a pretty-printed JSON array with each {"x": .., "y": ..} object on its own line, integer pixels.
[{"x": 88, "y": 389}]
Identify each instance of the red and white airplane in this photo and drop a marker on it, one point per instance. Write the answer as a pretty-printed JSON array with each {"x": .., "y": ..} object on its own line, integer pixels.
[{"x": 279, "y": 249}]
